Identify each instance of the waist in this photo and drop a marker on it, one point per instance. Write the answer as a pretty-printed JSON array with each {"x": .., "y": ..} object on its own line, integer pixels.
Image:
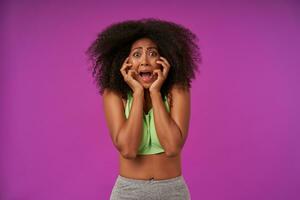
[
  {"x": 154, "y": 166},
  {"x": 167, "y": 180}
]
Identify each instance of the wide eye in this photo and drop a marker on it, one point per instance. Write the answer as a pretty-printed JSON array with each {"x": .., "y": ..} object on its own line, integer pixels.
[
  {"x": 136, "y": 54},
  {"x": 153, "y": 53}
]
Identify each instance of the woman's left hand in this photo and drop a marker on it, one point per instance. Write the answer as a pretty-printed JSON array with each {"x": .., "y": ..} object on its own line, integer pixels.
[{"x": 161, "y": 75}]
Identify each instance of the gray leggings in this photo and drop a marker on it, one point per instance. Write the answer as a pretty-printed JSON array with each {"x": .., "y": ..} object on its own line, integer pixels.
[{"x": 136, "y": 189}]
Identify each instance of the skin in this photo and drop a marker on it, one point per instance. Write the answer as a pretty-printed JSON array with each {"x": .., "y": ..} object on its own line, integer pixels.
[{"x": 171, "y": 128}]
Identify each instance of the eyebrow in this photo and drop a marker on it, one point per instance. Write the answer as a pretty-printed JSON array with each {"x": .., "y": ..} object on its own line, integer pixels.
[{"x": 147, "y": 48}]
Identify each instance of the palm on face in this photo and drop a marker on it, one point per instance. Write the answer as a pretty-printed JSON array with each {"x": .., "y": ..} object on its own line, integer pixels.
[
  {"x": 161, "y": 75},
  {"x": 130, "y": 76}
]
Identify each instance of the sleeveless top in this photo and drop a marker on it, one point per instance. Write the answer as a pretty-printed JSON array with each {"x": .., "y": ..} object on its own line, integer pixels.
[{"x": 150, "y": 143}]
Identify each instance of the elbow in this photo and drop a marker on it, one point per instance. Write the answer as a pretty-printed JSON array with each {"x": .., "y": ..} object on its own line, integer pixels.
[
  {"x": 173, "y": 150},
  {"x": 125, "y": 151},
  {"x": 172, "y": 153},
  {"x": 129, "y": 154}
]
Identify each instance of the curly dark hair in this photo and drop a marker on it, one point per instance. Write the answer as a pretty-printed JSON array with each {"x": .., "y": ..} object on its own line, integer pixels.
[{"x": 175, "y": 42}]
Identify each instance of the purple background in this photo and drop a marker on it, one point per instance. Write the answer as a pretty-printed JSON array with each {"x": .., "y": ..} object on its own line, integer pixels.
[{"x": 244, "y": 138}]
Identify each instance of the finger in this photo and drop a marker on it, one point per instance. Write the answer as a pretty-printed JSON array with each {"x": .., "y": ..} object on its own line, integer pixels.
[
  {"x": 136, "y": 73},
  {"x": 159, "y": 73},
  {"x": 126, "y": 60},
  {"x": 132, "y": 73},
  {"x": 125, "y": 65},
  {"x": 127, "y": 76},
  {"x": 166, "y": 67},
  {"x": 165, "y": 60},
  {"x": 123, "y": 72},
  {"x": 124, "y": 68}
]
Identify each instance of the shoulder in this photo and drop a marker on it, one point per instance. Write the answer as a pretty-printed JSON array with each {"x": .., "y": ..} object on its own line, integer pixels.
[
  {"x": 178, "y": 92},
  {"x": 113, "y": 97},
  {"x": 108, "y": 93},
  {"x": 179, "y": 88}
]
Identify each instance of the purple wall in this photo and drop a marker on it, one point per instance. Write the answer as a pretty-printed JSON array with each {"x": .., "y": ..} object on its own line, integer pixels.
[{"x": 244, "y": 138}]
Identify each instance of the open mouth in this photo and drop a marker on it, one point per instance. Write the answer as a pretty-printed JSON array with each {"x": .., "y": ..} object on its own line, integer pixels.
[{"x": 146, "y": 76}]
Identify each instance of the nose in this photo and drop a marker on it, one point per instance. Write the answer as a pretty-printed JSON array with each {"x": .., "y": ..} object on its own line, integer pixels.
[{"x": 144, "y": 61}]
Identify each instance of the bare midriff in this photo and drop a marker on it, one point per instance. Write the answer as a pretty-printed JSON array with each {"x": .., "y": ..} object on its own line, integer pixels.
[{"x": 154, "y": 166}]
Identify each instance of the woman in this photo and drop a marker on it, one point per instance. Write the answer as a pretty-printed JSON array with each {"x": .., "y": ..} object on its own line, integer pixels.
[{"x": 143, "y": 69}]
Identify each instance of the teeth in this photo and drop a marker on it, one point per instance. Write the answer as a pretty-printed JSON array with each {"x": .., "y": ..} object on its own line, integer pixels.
[{"x": 145, "y": 73}]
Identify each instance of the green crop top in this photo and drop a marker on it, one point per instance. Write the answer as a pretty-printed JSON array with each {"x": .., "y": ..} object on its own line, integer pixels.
[{"x": 150, "y": 143}]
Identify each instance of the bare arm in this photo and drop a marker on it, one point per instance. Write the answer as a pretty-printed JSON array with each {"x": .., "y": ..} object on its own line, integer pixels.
[
  {"x": 172, "y": 128},
  {"x": 126, "y": 134}
]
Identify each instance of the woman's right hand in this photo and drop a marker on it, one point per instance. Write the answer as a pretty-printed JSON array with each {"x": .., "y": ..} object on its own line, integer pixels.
[{"x": 130, "y": 76}]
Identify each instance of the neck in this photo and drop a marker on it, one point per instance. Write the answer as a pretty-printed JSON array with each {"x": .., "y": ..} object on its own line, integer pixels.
[
  {"x": 147, "y": 99},
  {"x": 147, "y": 95}
]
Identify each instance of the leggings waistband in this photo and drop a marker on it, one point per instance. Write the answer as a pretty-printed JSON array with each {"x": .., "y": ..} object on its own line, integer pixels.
[{"x": 150, "y": 180}]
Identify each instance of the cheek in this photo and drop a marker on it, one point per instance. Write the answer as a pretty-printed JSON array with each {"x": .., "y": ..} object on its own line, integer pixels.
[
  {"x": 135, "y": 68},
  {"x": 133, "y": 60},
  {"x": 155, "y": 64},
  {"x": 134, "y": 63}
]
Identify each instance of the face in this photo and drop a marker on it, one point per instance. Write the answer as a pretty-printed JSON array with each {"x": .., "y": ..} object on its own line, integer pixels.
[{"x": 143, "y": 57}]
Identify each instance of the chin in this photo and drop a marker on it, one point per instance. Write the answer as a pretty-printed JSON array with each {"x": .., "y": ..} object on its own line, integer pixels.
[{"x": 146, "y": 86}]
